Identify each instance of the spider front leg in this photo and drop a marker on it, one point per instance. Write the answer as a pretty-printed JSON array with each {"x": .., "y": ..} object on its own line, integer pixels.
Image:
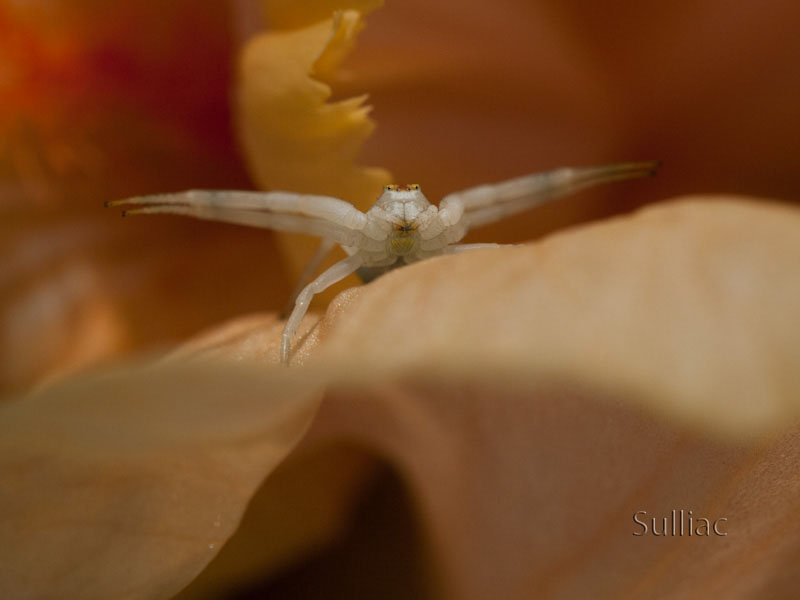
[
  {"x": 458, "y": 248},
  {"x": 486, "y": 204},
  {"x": 334, "y": 274},
  {"x": 325, "y": 247},
  {"x": 443, "y": 227}
]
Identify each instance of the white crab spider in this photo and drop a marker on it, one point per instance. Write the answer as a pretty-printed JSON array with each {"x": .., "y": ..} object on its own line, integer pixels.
[{"x": 400, "y": 228}]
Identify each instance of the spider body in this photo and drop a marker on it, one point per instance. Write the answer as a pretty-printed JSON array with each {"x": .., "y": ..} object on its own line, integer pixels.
[
  {"x": 403, "y": 208},
  {"x": 398, "y": 214},
  {"x": 400, "y": 228}
]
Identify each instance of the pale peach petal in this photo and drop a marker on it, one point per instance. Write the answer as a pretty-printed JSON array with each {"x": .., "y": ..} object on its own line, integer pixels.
[
  {"x": 125, "y": 485},
  {"x": 528, "y": 490},
  {"x": 304, "y": 506},
  {"x": 689, "y": 308},
  {"x": 534, "y": 399}
]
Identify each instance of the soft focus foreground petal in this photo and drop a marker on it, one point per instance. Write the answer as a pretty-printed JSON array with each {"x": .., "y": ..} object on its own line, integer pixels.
[
  {"x": 302, "y": 509},
  {"x": 691, "y": 309},
  {"x": 126, "y": 485},
  {"x": 534, "y": 399},
  {"x": 293, "y": 138},
  {"x": 528, "y": 489},
  {"x": 307, "y": 502}
]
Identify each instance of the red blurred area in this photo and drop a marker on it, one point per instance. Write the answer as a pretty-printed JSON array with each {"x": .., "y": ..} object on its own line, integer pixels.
[
  {"x": 62, "y": 61},
  {"x": 102, "y": 101}
]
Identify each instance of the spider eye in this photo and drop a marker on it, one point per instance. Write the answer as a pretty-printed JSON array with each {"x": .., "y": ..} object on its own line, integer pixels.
[
  {"x": 389, "y": 188},
  {"x": 413, "y": 186}
]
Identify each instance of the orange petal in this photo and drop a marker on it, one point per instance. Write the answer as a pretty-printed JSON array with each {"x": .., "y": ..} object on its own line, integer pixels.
[{"x": 294, "y": 138}]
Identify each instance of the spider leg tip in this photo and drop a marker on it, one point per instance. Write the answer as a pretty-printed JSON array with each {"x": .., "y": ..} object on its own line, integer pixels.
[{"x": 651, "y": 168}]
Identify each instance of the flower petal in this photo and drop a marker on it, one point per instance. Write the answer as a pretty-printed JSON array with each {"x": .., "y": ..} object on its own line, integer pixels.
[
  {"x": 534, "y": 399},
  {"x": 126, "y": 485},
  {"x": 287, "y": 14},
  {"x": 505, "y": 385},
  {"x": 691, "y": 308},
  {"x": 530, "y": 489},
  {"x": 294, "y": 139}
]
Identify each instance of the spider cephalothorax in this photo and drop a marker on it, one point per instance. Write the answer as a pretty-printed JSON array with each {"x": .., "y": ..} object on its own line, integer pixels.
[{"x": 406, "y": 208}]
